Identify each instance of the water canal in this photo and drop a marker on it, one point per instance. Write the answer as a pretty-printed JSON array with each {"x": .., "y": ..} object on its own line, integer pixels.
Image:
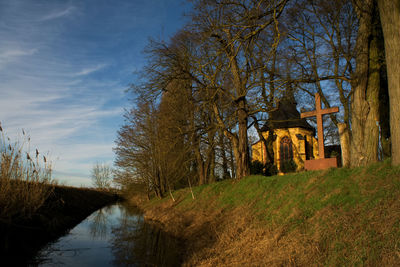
[{"x": 116, "y": 235}]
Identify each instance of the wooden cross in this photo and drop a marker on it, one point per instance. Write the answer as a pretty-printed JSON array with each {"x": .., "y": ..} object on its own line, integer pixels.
[{"x": 319, "y": 112}]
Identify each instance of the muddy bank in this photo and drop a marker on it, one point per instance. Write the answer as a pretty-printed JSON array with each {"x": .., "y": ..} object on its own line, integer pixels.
[{"x": 63, "y": 209}]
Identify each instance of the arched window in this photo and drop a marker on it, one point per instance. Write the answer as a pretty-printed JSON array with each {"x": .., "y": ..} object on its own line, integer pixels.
[{"x": 286, "y": 150}]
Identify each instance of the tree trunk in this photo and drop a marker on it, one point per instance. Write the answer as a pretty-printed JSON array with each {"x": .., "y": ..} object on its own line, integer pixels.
[
  {"x": 270, "y": 147},
  {"x": 268, "y": 143},
  {"x": 237, "y": 157},
  {"x": 201, "y": 172},
  {"x": 211, "y": 156},
  {"x": 157, "y": 187},
  {"x": 211, "y": 170},
  {"x": 200, "y": 166},
  {"x": 232, "y": 161},
  {"x": 225, "y": 173},
  {"x": 384, "y": 111},
  {"x": 344, "y": 136},
  {"x": 242, "y": 157},
  {"x": 390, "y": 20},
  {"x": 365, "y": 100}
]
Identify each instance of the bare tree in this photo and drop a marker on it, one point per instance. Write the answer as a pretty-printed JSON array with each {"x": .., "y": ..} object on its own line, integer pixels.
[
  {"x": 337, "y": 51},
  {"x": 153, "y": 145},
  {"x": 321, "y": 40},
  {"x": 136, "y": 151},
  {"x": 102, "y": 176},
  {"x": 229, "y": 32}
]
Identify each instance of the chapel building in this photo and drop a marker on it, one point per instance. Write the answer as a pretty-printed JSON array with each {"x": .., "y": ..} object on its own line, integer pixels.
[{"x": 293, "y": 137}]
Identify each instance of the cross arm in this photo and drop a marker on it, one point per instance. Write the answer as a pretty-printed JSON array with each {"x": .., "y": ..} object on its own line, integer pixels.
[
  {"x": 330, "y": 110},
  {"x": 308, "y": 114}
]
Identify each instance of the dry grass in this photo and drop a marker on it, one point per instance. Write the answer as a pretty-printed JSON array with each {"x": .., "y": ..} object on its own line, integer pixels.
[
  {"x": 25, "y": 180},
  {"x": 343, "y": 217}
]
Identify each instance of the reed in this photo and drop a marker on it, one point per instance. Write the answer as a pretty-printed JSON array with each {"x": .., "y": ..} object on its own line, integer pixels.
[{"x": 25, "y": 180}]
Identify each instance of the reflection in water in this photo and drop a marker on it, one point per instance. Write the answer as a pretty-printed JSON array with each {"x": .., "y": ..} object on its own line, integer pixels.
[
  {"x": 100, "y": 222},
  {"x": 115, "y": 235},
  {"x": 136, "y": 242}
]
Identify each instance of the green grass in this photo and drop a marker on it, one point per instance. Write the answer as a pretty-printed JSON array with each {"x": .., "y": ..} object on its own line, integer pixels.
[
  {"x": 353, "y": 215},
  {"x": 310, "y": 191}
]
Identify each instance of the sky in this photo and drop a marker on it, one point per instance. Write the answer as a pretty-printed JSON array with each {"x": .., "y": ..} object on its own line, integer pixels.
[{"x": 64, "y": 70}]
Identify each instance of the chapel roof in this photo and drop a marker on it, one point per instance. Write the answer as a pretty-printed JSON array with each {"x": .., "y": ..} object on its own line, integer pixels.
[{"x": 285, "y": 116}]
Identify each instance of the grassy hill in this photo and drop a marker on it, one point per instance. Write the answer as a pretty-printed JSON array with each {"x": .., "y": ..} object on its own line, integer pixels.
[{"x": 338, "y": 217}]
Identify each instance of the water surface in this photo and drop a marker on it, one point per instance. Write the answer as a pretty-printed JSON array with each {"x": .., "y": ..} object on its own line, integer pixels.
[{"x": 116, "y": 235}]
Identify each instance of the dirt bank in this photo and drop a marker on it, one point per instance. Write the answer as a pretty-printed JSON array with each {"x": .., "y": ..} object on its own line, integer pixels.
[
  {"x": 63, "y": 209},
  {"x": 342, "y": 217},
  {"x": 226, "y": 237}
]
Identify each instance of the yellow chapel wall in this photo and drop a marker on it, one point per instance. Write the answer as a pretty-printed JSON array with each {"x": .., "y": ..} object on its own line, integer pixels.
[
  {"x": 298, "y": 146},
  {"x": 258, "y": 152}
]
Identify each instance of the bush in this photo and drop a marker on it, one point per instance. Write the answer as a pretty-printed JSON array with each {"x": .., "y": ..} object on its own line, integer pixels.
[
  {"x": 288, "y": 166},
  {"x": 270, "y": 169},
  {"x": 258, "y": 168}
]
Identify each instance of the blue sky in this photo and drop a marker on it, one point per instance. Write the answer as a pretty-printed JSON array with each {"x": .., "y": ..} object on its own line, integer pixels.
[{"x": 64, "y": 69}]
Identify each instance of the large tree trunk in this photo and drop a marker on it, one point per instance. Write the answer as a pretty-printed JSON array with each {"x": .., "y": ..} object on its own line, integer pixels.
[
  {"x": 344, "y": 137},
  {"x": 201, "y": 168},
  {"x": 390, "y": 20},
  {"x": 384, "y": 110},
  {"x": 365, "y": 100},
  {"x": 157, "y": 186},
  {"x": 239, "y": 142},
  {"x": 242, "y": 158}
]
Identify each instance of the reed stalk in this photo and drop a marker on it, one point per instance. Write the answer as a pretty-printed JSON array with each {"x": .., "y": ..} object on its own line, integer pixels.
[{"x": 25, "y": 180}]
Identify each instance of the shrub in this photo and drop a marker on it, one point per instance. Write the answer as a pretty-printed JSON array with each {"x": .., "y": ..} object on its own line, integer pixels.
[
  {"x": 268, "y": 169},
  {"x": 256, "y": 167},
  {"x": 288, "y": 166}
]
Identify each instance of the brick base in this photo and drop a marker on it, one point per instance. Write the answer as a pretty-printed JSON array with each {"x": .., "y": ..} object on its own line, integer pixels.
[{"x": 321, "y": 164}]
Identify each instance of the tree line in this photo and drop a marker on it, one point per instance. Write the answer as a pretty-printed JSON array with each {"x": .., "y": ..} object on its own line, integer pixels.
[{"x": 226, "y": 70}]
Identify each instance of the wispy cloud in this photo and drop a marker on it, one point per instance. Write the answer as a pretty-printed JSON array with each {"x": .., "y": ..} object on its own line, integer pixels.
[
  {"x": 57, "y": 14},
  {"x": 16, "y": 53},
  {"x": 53, "y": 82},
  {"x": 73, "y": 132},
  {"x": 9, "y": 55},
  {"x": 87, "y": 71}
]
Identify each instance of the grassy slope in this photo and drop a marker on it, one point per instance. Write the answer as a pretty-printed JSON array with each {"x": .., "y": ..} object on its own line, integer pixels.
[{"x": 334, "y": 217}]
